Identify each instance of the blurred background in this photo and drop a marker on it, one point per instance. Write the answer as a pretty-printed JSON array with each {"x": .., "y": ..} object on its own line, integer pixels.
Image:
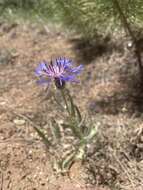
[{"x": 87, "y": 17}]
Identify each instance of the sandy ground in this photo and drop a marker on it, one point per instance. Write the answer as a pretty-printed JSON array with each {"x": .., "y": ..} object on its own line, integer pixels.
[{"x": 108, "y": 92}]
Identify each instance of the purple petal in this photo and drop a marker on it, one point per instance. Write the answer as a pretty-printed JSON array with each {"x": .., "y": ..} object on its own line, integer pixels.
[
  {"x": 75, "y": 70},
  {"x": 64, "y": 62},
  {"x": 41, "y": 68},
  {"x": 43, "y": 81}
]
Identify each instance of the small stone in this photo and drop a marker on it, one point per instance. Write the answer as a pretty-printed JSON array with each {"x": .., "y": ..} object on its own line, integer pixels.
[
  {"x": 140, "y": 146},
  {"x": 130, "y": 44},
  {"x": 2, "y": 103},
  {"x": 19, "y": 121},
  {"x": 66, "y": 146},
  {"x": 142, "y": 138}
]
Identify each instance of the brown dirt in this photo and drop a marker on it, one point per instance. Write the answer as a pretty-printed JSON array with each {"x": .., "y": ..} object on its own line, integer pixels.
[{"x": 107, "y": 92}]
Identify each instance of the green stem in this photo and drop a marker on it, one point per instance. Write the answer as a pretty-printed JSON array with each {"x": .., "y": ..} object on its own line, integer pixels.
[
  {"x": 44, "y": 138},
  {"x": 76, "y": 131},
  {"x": 65, "y": 100}
]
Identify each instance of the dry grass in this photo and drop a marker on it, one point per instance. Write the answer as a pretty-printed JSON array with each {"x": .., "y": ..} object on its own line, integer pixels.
[{"x": 108, "y": 92}]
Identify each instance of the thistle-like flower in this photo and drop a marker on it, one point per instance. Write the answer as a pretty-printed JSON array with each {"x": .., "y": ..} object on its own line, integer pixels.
[{"x": 60, "y": 71}]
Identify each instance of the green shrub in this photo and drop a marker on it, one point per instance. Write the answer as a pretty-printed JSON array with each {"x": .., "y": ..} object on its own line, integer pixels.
[
  {"x": 87, "y": 17},
  {"x": 92, "y": 17},
  {"x": 24, "y": 4},
  {"x": 42, "y": 8}
]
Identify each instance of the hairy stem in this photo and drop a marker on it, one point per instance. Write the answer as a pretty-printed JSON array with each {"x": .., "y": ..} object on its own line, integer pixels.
[
  {"x": 73, "y": 125},
  {"x": 65, "y": 101}
]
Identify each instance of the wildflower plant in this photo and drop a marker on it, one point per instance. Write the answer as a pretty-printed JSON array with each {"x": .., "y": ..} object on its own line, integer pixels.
[{"x": 59, "y": 72}]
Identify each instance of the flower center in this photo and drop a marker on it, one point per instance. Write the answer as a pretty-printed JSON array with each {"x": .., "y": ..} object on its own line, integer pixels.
[{"x": 60, "y": 84}]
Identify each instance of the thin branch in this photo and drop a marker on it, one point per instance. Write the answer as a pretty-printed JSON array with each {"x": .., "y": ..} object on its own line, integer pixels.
[{"x": 131, "y": 33}]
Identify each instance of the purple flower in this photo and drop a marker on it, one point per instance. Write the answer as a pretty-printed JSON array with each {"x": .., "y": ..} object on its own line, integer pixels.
[{"x": 60, "y": 71}]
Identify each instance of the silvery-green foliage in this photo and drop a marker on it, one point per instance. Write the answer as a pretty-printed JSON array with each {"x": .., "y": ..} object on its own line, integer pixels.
[
  {"x": 87, "y": 17},
  {"x": 41, "y": 8},
  {"x": 25, "y": 4},
  {"x": 92, "y": 17},
  {"x": 67, "y": 140}
]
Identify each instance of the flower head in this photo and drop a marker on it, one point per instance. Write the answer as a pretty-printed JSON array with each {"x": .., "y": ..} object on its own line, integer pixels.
[{"x": 60, "y": 71}]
